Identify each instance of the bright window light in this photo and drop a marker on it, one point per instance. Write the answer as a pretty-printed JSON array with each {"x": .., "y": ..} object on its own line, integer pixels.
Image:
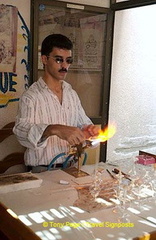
[
  {"x": 116, "y": 201},
  {"x": 94, "y": 220},
  {"x": 54, "y": 230},
  {"x": 147, "y": 223},
  {"x": 56, "y": 213},
  {"x": 40, "y": 234},
  {"x": 47, "y": 215},
  {"x": 49, "y": 235},
  {"x": 24, "y": 219},
  {"x": 66, "y": 211},
  {"x": 36, "y": 216},
  {"x": 79, "y": 210},
  {"x": 110, "y": 235},
  {"x": 85, "y": 224},
  {"x": 12, "y": 213},
  {"x": 133, "y": 210},
  {"x": 121, "y": 238},
  {"x": 100, "y": 200},
  {"x": 152, "y": 219},
  {"x": 66, "y": 229}
]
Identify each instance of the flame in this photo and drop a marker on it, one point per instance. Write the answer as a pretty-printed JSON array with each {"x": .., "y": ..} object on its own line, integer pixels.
[
  {"x": 107, "y": 133},
  {"x": 103, "y": 135}
]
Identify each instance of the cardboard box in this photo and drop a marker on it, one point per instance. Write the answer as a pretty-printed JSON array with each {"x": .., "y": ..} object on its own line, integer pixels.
[{"x": 145, "y": 159}]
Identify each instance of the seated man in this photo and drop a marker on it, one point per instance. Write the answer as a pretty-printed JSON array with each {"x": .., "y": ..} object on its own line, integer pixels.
[{"x": 50, "y": 116}]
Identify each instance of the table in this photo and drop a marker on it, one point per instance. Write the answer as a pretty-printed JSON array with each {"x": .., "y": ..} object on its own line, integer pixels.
[{"x": 47, "y": 208}]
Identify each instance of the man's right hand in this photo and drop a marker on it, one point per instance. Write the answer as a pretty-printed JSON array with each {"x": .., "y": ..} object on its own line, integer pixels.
[{"x": 73, "y": 135}]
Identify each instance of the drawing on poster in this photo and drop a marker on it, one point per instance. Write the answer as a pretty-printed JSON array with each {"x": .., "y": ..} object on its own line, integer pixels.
[
  {"x": 86, "y": 31},
  {"x": 8, "y": 39},
  {"x": 13, "y": 28}
]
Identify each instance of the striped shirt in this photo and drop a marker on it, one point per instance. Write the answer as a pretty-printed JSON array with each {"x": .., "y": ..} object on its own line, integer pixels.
[{"x": 39, "y": 107}]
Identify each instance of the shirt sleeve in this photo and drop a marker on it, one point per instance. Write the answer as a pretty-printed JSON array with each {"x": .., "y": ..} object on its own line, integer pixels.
[{"x": 26, "y": 130}]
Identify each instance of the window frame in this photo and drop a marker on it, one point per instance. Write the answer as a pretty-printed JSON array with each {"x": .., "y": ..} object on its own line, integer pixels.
[
  {"x": 130, "y": 4},
  {"x": 104, "y": 108}
]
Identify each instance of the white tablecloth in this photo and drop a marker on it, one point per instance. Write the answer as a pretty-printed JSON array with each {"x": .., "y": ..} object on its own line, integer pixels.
[{"x": 45, "y": 207}]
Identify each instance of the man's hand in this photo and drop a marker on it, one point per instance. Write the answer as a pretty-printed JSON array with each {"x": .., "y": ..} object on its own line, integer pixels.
[
  {"x": 90, "y": 131},
  {"x": 72, "y": 135}
]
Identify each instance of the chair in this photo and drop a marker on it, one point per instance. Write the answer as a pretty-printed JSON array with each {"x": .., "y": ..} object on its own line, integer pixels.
[{"x": 13, "y": 162}]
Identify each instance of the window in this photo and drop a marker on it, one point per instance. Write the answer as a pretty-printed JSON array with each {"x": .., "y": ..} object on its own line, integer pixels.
[{"x": 90, "y": 29}]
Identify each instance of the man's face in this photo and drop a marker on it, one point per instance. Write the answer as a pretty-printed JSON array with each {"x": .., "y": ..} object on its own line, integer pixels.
[{"x": 57, "y": 63}]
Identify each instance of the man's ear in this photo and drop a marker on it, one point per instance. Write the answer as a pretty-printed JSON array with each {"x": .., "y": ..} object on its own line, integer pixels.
[{"x": 44, "y": 59}]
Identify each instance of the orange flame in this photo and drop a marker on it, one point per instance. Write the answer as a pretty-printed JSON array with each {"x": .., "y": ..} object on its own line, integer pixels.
[{"x": 107, "y": 133}]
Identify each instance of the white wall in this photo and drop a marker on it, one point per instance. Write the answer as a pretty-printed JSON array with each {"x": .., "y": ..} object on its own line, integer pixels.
[
  {"x": 133, "y": 83},
  {"x": 9, "y": 111}
]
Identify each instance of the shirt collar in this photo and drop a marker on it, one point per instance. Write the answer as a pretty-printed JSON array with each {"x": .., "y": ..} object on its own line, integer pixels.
[{"x": 42, "y": 84}]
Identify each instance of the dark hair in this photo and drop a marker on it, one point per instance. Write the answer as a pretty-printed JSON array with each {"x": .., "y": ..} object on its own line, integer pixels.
[{"x": 55, "y": 40}]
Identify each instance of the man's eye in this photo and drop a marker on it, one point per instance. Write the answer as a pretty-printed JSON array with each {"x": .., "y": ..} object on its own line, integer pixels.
[
  {"x": 59, "y": 60},
  {"x": 69, "y": 60}
]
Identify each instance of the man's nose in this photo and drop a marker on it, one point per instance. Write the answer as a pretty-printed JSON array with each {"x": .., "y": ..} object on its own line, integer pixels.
[{"x": 64, "y": 63}]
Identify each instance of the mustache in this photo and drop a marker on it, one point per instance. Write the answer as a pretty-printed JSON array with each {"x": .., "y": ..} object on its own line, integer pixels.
[{"x": 63, "y": 70}]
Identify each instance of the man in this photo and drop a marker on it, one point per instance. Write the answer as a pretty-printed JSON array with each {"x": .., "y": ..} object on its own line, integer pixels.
[{"x": 50, "y": 117}]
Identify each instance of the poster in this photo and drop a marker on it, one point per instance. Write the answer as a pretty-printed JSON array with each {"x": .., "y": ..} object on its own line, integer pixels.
[
  {"x": 85, "y": 30},
  {"x": 14, "y": 56},
  {"x": 8, "y": 39}
]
